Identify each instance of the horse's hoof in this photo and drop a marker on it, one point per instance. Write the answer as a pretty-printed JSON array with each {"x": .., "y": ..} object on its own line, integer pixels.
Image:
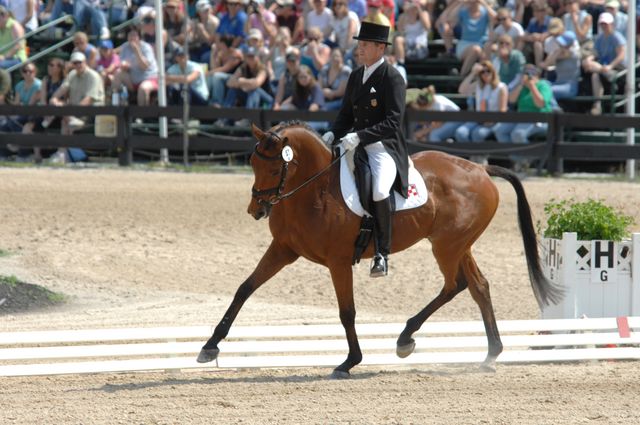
[
  {"x": 208, "y": 355},
  {"x": 488, "y": 366},
  {"x": 340, "y": 374},
  {"x": 403, "y": 351}
]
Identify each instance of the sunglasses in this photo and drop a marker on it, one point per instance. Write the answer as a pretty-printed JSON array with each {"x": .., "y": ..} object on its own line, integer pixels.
[
  {"x": 28, "y": 71},
  {"x": 485, "y": 71},
  {"x": 504, "y": 43},
  {"x": 501, "y": 19},
  {"x": 76, "y": 62}
]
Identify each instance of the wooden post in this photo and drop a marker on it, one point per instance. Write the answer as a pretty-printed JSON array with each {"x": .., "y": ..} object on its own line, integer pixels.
[
  {"x": 125, "y": 153},
  {"x": 635, "y": 275}
]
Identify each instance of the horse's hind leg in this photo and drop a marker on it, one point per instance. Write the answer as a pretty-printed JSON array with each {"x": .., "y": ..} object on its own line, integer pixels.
[
  {"x": 276, "y": 257},
  {"x": 479, "y": 288},
  {"x": 454, "y": 283}
]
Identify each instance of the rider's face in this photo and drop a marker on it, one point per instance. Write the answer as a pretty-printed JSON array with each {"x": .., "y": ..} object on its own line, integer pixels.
[{"x": 370, "y": 52}]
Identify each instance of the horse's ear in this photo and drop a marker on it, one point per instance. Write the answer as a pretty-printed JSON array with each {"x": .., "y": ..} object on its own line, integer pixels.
[{"x": 258, "y": 134}]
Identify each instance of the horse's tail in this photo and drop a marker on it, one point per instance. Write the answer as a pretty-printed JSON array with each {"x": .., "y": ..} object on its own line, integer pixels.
[{"x": 545, "y": 291}]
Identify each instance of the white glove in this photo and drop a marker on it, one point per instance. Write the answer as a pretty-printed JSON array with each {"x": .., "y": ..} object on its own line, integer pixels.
[
  {"x": 350, "y": 141},
  {"x": 328, "y": 138}
]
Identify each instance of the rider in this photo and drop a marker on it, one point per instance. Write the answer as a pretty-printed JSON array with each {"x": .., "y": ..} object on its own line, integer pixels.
[{"x": 371, "y": 119}]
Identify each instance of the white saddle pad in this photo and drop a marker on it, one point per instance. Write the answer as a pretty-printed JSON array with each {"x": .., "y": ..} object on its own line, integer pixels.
[{"x": 417, "y": 195}]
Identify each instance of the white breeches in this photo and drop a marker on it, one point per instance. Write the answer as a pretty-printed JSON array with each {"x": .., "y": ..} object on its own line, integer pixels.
[{"x": 383, "y": 170}]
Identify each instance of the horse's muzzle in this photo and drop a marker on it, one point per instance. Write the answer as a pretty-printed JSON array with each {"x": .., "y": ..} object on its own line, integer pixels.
[{"x": 259, "y": 210}]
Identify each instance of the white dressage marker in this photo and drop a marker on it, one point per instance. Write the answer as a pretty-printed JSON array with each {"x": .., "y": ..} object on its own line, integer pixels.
[{"x": 145, "y": 349}]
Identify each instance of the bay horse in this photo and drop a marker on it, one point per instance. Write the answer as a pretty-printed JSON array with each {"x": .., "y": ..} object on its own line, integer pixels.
[{"x": 297, "y": 188}]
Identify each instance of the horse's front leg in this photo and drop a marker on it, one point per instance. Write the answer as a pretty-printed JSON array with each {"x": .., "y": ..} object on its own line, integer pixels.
[
  {"x": 342, "y": 276},
  {"x": 276, "y": 257}
]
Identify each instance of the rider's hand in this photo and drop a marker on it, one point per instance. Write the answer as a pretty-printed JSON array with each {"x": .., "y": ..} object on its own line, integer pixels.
[
  {"x": 328, "y": 137},
  {"x": 350, "y": 141}
]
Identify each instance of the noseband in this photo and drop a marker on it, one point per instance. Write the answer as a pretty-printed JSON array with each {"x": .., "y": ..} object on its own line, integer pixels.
[{"x": 275, "y": 193}]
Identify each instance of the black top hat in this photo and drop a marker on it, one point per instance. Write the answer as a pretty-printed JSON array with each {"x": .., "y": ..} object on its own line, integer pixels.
[{"x": 373, "y": 32}]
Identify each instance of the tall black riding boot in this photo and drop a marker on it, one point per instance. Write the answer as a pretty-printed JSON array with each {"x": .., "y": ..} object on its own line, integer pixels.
[{"x": 382, "y": 215}]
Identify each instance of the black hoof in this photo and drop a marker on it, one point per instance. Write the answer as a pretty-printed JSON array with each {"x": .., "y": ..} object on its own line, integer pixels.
[
  {"x": 403, "y": 351},
  {"x": 340, "y": 374},
  {"x": 208, "y": 355}
]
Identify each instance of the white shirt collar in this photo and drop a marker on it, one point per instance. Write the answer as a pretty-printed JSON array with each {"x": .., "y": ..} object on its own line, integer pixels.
[{"x": 368, "y": 70}]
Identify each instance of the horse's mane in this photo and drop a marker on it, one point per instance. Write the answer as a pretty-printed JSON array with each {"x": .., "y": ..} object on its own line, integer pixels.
[{"x": 298, "y": 124}]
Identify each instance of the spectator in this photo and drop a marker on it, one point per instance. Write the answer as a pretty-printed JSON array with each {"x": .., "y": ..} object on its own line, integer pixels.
[
  {"x": 474, "y": 18},
  {"x": 233, "y": 22},
  {"x": 248, "y": 87},
  {"x": 359, "y": 7},
  {"x": 532, "y": 94},
  {"x": 108, "y": 63},
  {"x": 204, "y": 32},
  {"x": 435, "y": 131},
  {"x": 115, "y": 11},
  {"x": 81, "y": 44},
  {"x": 508, "y": 62},
  {"x": 375, "y": 15},
  {"x": 276, "y": 63},
  {"x": 620, "y": 19},
  {"x": 148, "y": 35},
  {"x": 50, "y": 84},
  {"x": 412, "y": 33},
  {"x": 536, "y": 32},
  {"x": 314, "y": 53},
  {"x": 538, "y": 26},
  {"x": 320, "y": 16},
  {"x": 306, "y": 96},
  {"x": 186, "y": 73},
  {"x": 25, "y": 12},
  {"x": 85, "y": 13},
  {"x": 138, "y": 68},
  {"x": 609, "y": 58},
  {"x": 5, "y": 86},
  {"x": 11, "y": 30},
  {"x": 490, "y": 95},
  {"x": 83, "y": 86},
  {"x": 288, "y": 78},
  {"x": 344, "y": 25},
  {"x": 27, "y": 93},
  {"x": 556, "y": 29},
  {"x": 577, "y": 21},
  {"x": 174, "y": 21},
  {"x": 505, "y": 25},
  {"x": 255, "y": 40},
  {"x": 225, "y": 59},
  {"x": 263, "y": 20},
  {"x": 566, "y": 64},
  {"x": 288, "y": 15},
  {"x": 333, "y": 79}
]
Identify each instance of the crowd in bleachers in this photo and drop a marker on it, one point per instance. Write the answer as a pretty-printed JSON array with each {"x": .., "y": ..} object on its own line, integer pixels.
[{"x": 297, "y": 54}]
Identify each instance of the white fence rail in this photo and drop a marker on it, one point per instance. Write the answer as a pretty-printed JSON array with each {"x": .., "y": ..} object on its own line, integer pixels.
[{"x": 145, "y": 349}]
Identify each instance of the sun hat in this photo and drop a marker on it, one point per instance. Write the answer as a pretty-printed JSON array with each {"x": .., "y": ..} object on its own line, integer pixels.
[
  {"x": 605, "y": 18},
  {"x": 566, "y": 39},
  {"x": 78, "y": 57}
]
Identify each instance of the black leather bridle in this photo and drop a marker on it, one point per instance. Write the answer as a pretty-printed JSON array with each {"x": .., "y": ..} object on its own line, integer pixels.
[{"x": 275, "y": 193}]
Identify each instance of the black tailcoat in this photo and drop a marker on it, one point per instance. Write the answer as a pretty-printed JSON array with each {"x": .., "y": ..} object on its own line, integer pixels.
[{"x": 375, "y": 111}]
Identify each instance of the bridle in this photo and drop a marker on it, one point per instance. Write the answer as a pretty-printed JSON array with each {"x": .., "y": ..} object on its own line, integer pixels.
[{"x": 275, "y": 193}]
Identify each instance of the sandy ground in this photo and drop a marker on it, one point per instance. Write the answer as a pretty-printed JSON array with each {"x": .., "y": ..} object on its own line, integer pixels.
[{"x": 136, "y": 248}]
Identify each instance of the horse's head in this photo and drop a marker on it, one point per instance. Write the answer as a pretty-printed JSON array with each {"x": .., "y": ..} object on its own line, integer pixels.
[{"x": 275, "y": 162}]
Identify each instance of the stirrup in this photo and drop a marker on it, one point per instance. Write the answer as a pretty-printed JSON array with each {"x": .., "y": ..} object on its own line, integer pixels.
[{"x": 379, "y": 266}]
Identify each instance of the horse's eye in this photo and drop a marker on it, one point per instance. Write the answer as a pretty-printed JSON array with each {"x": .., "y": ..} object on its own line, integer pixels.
[{"x": 275, "y": 173}]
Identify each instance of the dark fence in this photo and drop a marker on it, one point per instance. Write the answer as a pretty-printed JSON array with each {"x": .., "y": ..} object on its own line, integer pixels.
[{"x": 551, "y": 151}]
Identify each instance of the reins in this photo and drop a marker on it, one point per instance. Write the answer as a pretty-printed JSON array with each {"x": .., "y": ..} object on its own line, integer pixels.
[{"x": 277, "y": 190}]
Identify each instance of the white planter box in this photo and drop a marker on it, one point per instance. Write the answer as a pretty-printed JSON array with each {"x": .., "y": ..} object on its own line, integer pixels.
[{"x": 597, "y": 276}]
